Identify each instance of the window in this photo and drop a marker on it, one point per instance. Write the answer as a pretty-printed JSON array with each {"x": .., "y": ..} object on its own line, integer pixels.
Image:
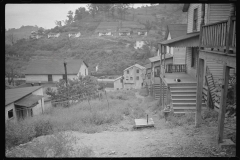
[
  {"x": 50, "y": 78},
  {"x": 131, "y": 78},
  {"x": 10, "y": 113},
  {"x": 137, "y": 78},
  {"x": 195, "y": 19},
  {"x": 137, "y": 70},
  {"x": 85, "y": 72},
  {"x": 194, "y": 57},
  {"x": 127, "y": 71}
]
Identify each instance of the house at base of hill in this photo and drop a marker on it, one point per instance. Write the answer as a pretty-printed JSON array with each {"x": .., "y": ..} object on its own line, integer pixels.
[
  {"x": 118, "y": 83},
  {"x": 21, "y": 103},
  {"x": 47, "y": 71},
  {"x": 133, "y": 77},
  {"x": 53, "y": 35},
  {"x": 139, "y": 44},
  {"x": 74, "y": 34},
  {"x": 105, "y": 33}
]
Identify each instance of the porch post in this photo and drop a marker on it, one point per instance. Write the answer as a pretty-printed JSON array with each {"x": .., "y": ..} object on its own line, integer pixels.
[
  {"x": 160, "y": 99},
  {"x": 222, "y": 108},
  {"x": 229, "y": 32},
  {"x": 165, "y": 48},
  {"x": 199, "y": 91}
]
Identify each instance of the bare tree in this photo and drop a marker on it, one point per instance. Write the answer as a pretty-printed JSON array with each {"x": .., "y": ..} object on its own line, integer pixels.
[{"x": 11, "y": 70}]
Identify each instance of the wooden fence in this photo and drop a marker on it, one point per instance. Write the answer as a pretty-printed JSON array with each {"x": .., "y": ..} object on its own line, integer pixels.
[{"x": 175, "y": 68}]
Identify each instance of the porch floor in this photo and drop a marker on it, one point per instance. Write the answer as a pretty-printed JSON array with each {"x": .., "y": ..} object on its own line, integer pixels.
[{"x": 184, "y": 77}]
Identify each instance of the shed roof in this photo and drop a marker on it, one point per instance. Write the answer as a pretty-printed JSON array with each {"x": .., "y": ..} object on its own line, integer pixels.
[
  {"x": 12, "y": 95},
  {"x": 117, "y": 78},
  {"x": 54, "y": 66},
  {"x": 176, "y": 30},
  {"x": 29, "y": 100}
]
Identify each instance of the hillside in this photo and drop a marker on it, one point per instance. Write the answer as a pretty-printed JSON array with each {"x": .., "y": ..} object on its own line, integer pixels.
[{"x": 112, "y": 54}]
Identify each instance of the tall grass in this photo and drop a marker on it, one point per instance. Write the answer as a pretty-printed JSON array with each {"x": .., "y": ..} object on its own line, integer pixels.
[{"x": 81, "y": 117}]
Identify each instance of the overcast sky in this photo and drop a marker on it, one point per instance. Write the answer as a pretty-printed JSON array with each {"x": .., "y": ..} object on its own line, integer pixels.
[{"x": 42, "y": 15}]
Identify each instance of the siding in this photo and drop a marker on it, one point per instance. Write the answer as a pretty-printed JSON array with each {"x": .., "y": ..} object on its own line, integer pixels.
[
  {"x": 179, "y": 55},
  {"x": 82, "y": 70},
  {"x": 132, "y": 73},
  {"x": 56, "y": 78},
  {"x": 191, "y": 71},
  {"x": 218, "y": 12},
  {"x": 190, "y": 17},
  {"x": 217, "y": 69},
  {"x": 39, "y": 109},
  {"x": 118, "y": 84},
  {"x": 36, "y": 78}
]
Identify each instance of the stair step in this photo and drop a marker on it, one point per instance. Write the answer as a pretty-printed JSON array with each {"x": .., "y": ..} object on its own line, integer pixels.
[
  {"x": 183, "y": 104},
  {"x": 181, "y": 96},
  {"x": 177, "y": 108},
  {"x": 182, "y": 84},
  {"x": 183, "y": 88},
  {"x": 184, "y": 100},
  {"x": 184, "y": 92}
]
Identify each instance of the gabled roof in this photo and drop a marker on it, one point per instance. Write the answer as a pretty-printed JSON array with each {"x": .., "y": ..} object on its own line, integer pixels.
[
  {"x": 54, "y": 66},
  {"x": 117, "y": 78},
  {"x": 12, "y": 95},
  {"x": 176, "y": 30},
  {"x": 192, "y": 40},
  {"x": 136, "y": 65}
]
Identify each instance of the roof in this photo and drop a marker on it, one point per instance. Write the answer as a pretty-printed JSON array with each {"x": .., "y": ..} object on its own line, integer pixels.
[
  {"x": 12, "y": 95},
  {"x": 106, "y": 84},
  {"x": 54, "y": 66},
  {"x": 117, "y": 78},
  {"x": 125, "y": 30},
  {"x": 176, "y": 30},
  {"x": 29, "y": 100},
  {"x": 185, "y": 7},
  {"x": 184, "y": 37},
  {"x": 148, "y": 65},
  {"x": 157, "y": 58},
  {"x": 136, "y": 65}
]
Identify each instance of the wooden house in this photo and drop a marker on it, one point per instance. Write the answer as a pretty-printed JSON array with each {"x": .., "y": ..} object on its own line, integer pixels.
[
  {"x": 118, "y": 83},
  {"x": 74, "y": 34},
  {"x": 124, "y": 32},
  {"x": 47, "y": 71},
  {"x": 21, "y": 103},
  {"x": 133, "y": 77},
  {"x": 208, "y": 26},
  {"x": 53, "y": 35}
]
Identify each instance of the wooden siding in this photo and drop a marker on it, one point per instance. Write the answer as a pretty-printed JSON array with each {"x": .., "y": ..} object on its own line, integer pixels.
[
  {"x": 179, "y": 55},
  {"x": 7, "y": 108},
  {"x": 190, "y": 70},
  {"x": 134, "y": 82},
  {"x": 36, "y": 78},
  {"x": 217, "y": 69},
  {"x": 190, "y": 17},
  {"x": 218, "y": 12}
]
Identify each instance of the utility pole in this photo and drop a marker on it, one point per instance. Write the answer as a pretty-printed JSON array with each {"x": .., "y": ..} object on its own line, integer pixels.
[{"x": 65, "y": 67}]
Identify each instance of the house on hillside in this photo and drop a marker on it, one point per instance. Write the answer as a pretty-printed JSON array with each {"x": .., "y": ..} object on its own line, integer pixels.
[
  {"x": 206, "y": 57},
  {"x": 133, "y": 77},
  {"x": 139, "y": 44},
  {"x": 53, "y": 70},
  {"x": 53, "y": 35},
  {"x": 21, "y": 103},
  {"x": 124, "y": 32},
  {"x": 74, "y": 34},
  {"x": 105, "y": 33},
  {"x": 142, "y": 32},
  {"x": 35, "y": 35}
]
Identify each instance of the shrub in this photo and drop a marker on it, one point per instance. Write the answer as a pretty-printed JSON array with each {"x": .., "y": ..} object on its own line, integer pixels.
[{"x": 43, "y": 127}]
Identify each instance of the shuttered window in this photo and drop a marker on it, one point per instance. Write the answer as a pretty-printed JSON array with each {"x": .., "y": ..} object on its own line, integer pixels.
[
  {"x": 194, "y": 57},
  {"x": 195, "y": 19}
]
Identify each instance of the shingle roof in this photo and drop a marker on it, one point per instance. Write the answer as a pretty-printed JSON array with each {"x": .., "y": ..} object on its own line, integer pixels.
[
  {"x": 12, "y": 95},
  {"x": 53, "y": 67},
  {"x": 176, "y": 30}
]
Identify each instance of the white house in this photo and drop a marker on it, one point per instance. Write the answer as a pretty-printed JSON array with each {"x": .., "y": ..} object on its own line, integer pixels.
[
  {"x": 74, "y": 35},
  {"x": 139, "y": 44},
  {"x": 142, "y": 32},
  {"x": 133, "y": 76},
  {"x": 124, "y": 32},
  {"x": 53, "y": 35},
  {"x": 21, "y": 103},
  {"x": 53, "y": 70},
  {"x": 105, "y": 33},
  {"x": 118, "y": 83}
]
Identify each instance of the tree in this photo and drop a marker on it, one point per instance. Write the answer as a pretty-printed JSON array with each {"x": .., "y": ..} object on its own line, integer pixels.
[
  {"x": 70, "y": 17},
  {"x": 11, "y": 70},
  {"x": 93, "y": 9},
  {"x": 80, "y": 13},
  {"x": 11, "y": 38},
  {"x": 58, "y": 23},
  {"x": 148, "y": 25}
]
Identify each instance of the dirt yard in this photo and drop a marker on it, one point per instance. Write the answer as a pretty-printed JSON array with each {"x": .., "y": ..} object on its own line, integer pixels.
[{"x": 121, "y": 140}]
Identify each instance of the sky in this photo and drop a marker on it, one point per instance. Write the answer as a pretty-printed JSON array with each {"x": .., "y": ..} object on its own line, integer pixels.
[{"x": 42, "y": 15}]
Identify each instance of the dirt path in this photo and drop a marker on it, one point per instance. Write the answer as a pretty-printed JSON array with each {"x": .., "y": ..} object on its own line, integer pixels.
[{"x": 122, "y": 140}]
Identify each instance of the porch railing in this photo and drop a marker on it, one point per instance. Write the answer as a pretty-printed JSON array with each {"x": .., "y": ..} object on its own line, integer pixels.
[
  {"x": 175, "y": 68},
  {"x": 219, "y": 35}
]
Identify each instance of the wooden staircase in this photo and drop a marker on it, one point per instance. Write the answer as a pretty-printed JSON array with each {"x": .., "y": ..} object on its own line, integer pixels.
[
  {"x": 184, "y": 97},
  {"x": 156, "y": 90}
]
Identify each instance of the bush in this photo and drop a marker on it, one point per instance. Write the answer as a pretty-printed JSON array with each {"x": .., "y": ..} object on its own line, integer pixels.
[
  {"x": 43, "y": 127},
  {"x": 181, "y": 119}
]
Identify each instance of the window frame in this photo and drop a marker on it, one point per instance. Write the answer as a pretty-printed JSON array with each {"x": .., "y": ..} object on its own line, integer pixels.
[
  {"x": 137, "y": 77},
  {"x": 127, "y": 71},
  {"x": 137, "y": 71},
  {"x": 11, "y": 110},
  {"x": 194, "y": 57},
  {"x": 195, "y": 19}
]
